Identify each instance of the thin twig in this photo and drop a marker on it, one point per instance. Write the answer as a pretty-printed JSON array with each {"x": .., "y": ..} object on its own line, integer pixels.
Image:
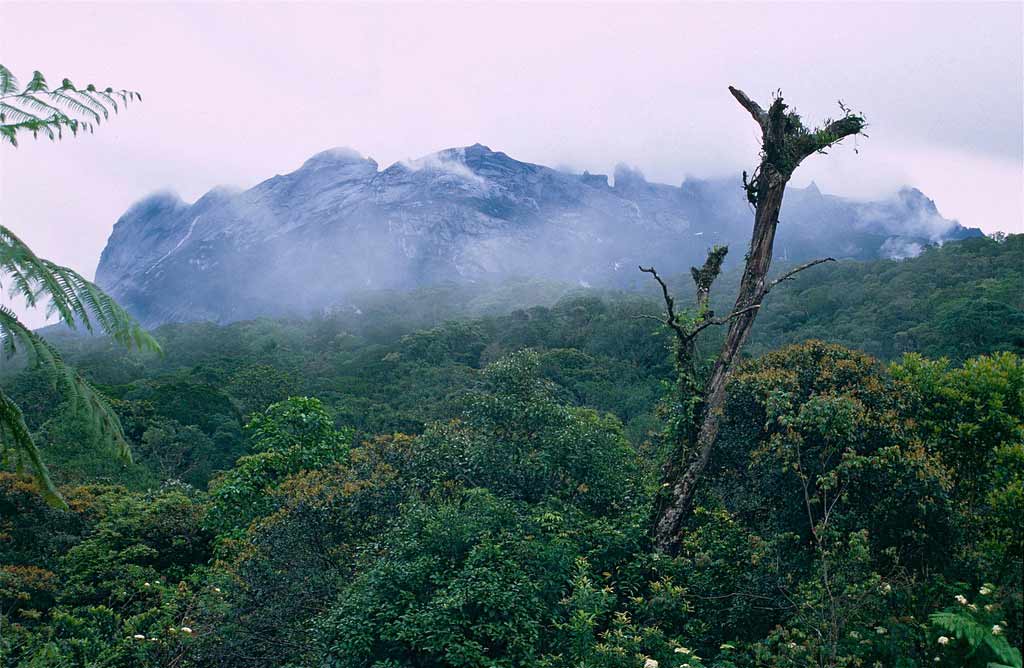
[
  {"x": 670, "y": 305},
  {"x": 721, "y": 321},
  {"x": 789, "y": 274}
]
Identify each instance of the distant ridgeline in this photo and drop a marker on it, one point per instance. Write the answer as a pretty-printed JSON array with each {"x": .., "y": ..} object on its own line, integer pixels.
[
  {"x": 307, "y": 241},
  {"x": 395, "y": 360},
  {"x": 958, "y": 300}
]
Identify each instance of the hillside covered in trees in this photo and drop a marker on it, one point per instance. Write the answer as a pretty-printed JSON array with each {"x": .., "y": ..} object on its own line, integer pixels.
[{"x": 464, "y": 476}]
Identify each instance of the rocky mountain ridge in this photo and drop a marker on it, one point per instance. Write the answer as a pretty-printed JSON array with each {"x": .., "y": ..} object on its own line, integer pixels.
[{"x": 299, "y": 242}]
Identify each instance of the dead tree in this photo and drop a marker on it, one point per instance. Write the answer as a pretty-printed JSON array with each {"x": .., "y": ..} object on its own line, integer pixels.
[{"x": 785, "y": 143}]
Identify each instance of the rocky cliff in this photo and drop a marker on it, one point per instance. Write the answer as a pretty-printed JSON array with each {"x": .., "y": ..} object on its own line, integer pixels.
[{"x": 300, "y": 242}]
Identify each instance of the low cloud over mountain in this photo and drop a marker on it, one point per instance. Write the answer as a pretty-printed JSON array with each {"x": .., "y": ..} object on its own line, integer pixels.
[{"x": 301, "y": 242}]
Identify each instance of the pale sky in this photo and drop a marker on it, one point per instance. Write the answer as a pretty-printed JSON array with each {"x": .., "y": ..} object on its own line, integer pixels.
[{"x": 235, "y": 93}]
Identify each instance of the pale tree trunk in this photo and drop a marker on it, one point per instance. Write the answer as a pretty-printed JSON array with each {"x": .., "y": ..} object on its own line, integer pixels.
[{"x": 785, "y": 143}]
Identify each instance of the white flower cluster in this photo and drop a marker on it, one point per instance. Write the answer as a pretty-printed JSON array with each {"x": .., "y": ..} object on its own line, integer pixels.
[{"x": 187, "y": 631}]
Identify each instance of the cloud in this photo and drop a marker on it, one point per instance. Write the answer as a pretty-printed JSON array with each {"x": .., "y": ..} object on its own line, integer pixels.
[
  {"x": 895, "y": 248},
  {"x": 451, "y": 162}
]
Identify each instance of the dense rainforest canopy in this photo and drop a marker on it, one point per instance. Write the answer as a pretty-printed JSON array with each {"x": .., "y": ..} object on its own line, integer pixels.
[{"x": 463, "y": 477}]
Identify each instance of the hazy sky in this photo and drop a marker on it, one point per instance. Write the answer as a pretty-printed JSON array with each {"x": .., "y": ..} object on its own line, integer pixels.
[{"x": 235, "y": 93}]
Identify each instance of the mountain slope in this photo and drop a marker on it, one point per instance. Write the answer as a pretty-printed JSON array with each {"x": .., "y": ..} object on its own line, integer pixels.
[{"x": 301, "y": 242}]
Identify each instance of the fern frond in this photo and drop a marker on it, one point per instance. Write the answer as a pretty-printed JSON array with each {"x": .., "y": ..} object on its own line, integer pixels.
[
  {"x": 11, "y": 114},
  {"x": 35, "y": 127},
  {"x": 8, "y": 82},
  {"x": 76, "y": 389},
  {"x": 90, "y": 102},
  {"x": 33, "y": 102},
  {"x": 78, "y": 301},
  {"x": 979, "y": 638},
  {"x": 55, "y": 110},
  {"x": 15, "y": 436},
  {"x": 37, "y": 83},
  {"x": 105, "y": 95},
  {"x": 73, "y": 105}
]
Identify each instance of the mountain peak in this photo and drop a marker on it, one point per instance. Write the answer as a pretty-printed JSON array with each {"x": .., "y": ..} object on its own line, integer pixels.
[
  {"x": 339, "y": 155},
  {"x": 914, "y": 198},
  {"x": 157, "y": 201},
  {"x": 627, "y": 177},
  {"x": 464, "y": 214}
]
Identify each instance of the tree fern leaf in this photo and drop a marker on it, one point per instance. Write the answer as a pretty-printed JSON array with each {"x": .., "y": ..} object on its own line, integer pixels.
[
  {"x": 15, "y": 433},
  {"x": 35, "y": 103},
  {"x": 13, "y": 114},
  {"x": 9, "y": 134},
  {"x": 105, "y": 94},
  {"x": 8, "y": 82},
  {"x": 98, "y": 102},
  {"x": 76, "y": 389},
  {"x": 60, "y": 97},
  {"x": 37, "y": 83},
  {"x": 86, "y": 99}
]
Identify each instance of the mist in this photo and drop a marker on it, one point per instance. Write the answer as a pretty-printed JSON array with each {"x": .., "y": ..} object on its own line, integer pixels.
[{"x": 306, "y": 241}]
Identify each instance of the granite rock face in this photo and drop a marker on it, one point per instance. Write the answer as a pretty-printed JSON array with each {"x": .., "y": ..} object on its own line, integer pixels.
[{"x": 298, "y": 243}]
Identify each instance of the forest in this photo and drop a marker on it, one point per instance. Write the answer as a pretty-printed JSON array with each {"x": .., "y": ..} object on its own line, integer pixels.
[
  {"x": 464, "y": 476},
  {"x": 522, "y": 474}
]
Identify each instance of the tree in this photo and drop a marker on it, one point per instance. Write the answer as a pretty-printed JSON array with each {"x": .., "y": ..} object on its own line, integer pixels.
[
  {"x": 785, "y": 143},
  {"x": 293, "y": 435},
  {"x": 77, "y": 301}
]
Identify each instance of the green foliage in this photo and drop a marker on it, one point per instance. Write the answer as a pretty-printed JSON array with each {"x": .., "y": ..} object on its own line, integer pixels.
[
  {"x": 846, "y": 503},
  {"x": 290, "y": 436},
  {"x": 111, "y": 568},
  {"x": 787, "y": 141},
  {"x": 256, "y": 387},
  {"x": 974, "y": 634},
  {"x": 179, "y": 452},
  {"x": 464, "y": 582},
  {"x": 958, "y": 300},
  {"x": 77, "y": 302},
  {"x": 76, "y": 452},
  {"x": 546, "y": 450},
  {"x": 322, "y": 520},
  {"x": 972, "y": 419}
]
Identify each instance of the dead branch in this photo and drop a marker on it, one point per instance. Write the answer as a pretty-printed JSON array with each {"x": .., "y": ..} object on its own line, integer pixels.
[
  {"x": 784, "y": 143},
  {"x": 670, "y": 305},
  {"x": 721, "y": 321},
  {"x": 646, "y": 316},
  {"x": 706, "y": 275},
  {"x": 789, "y": 274},
  {"x": 836, "y": 131},
  {"x": 753, "y": 107}
]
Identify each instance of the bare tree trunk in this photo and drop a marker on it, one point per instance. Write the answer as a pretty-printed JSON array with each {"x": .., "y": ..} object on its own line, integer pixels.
[
  {"x": 679, "y": 495},
  {"x": 785, "y": 143}
]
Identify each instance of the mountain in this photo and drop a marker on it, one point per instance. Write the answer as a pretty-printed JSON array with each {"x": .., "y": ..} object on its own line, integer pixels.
[{"x": 301, "y": 242}]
